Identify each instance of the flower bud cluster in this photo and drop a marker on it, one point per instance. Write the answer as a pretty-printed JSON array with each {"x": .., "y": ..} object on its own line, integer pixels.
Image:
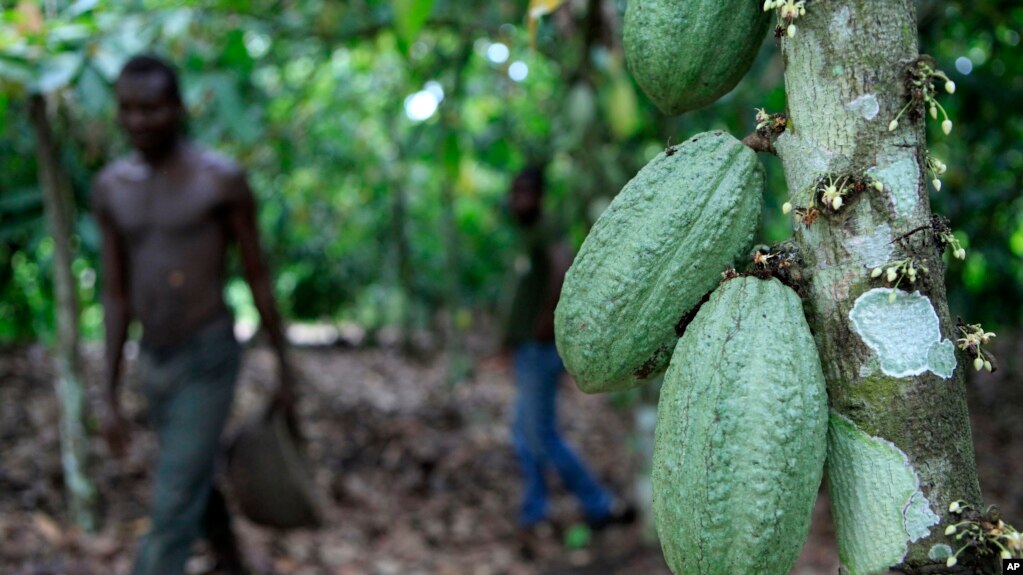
[
  {"x": 829, "y": 190},
  {"x": 770, "y": 125},
  {"x": 832, "y": 193},
  {"x": 762, "y": 118},
  {"x": 973, "y": 338},
  {"x": 949, "y": 239},
  {"x": 923, "y": 90},
  {"x": 789, "y": 10},
  {"x": 898, "y": 271},
  {"x": 986, "y": 533},
  {"x": 937, "y": 169}
]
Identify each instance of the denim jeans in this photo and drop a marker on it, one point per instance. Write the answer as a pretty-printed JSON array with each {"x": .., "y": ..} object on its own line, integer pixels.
[
  {"x": 189, "y": 390},
  {"x": 537, "y": 441}
]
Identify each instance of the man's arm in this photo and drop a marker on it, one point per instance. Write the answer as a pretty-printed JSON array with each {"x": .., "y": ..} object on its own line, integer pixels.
[
  {"x": 116, "y": 317},
  {"x": 242, "y": 221}
]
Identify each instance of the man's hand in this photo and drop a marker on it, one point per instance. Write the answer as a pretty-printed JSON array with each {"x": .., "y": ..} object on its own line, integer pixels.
[{"x": 115, "y": 430}]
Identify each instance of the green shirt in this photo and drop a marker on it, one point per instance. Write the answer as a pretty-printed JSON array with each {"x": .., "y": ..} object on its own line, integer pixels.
[{"x": 532, "y": 295}]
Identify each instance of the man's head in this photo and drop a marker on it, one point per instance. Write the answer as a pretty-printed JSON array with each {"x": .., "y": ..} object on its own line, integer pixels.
[
  {"x": 149, "y": 106},
  {"x": 526, "y": 196}
]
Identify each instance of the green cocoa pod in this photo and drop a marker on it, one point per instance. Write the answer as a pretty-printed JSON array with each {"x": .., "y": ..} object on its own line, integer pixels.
[
  {"x": 652, "y": 255},
  {"x": 741, "y": 435},
  {"x": 686, "y": 54}
]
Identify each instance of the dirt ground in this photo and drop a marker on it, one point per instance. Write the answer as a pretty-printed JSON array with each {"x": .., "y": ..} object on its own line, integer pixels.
[{"x": 418, "y": 477}]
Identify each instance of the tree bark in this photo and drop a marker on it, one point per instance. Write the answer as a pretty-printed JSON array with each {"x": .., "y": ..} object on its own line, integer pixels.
[
  {"x": 459, "y": 363},
  {"x": 900, "y": 448},
  {"x": 400, "y": 235},
  {"x": 59, "y": 207}
]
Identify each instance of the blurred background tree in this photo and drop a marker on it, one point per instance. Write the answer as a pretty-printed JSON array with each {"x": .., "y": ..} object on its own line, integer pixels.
[{"x": 381, "y": 137}]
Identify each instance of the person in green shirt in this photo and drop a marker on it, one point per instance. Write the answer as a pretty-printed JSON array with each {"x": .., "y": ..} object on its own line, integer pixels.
[{"x": 529, "y": 334}]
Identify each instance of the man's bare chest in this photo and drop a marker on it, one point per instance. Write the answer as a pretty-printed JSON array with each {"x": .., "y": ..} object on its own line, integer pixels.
[{"x": 162, "y": 207}]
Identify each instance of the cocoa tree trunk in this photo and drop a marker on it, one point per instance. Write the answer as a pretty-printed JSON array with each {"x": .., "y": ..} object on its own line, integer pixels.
[
  {"x": 59, "y": 207},
  {"x": 900, "y": 448}
]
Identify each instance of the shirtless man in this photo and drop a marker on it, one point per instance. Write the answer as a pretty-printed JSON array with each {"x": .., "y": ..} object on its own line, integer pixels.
[{"x": 168, "y": 214}]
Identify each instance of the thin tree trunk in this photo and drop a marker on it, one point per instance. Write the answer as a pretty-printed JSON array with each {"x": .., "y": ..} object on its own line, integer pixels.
[
  {"x": 458, "y": 360},
  {"x": 402, "y": 247},
  {"x": 399, "y": 211},
  {"x": 900, "y": 448},
  {"x": 59, "y": 207},
  {"x": 459, "y": 364}
]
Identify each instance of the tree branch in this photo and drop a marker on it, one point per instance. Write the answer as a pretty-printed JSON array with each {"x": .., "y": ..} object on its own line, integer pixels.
[{"x": 759, "y": 143}]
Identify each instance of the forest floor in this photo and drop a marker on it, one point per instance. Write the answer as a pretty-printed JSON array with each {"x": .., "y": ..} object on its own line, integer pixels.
[{"x": 418, "y": 476}]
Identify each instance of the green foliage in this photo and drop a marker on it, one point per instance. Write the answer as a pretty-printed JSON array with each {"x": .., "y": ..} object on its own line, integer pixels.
[
  {"x": 978, "y": 45},
  {"x": 310, "y": 95},
  {"x": 409, "y": 18}
]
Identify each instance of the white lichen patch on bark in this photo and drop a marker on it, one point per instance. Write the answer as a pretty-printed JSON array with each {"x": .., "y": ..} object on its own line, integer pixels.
[
  {"x": 904, "y": 333},
  {"x": 872, "y": 249},
  {"x": 900, "y": 179},
  {"x": 941, "y": 359},
  {"x": 939, "y": 552},
  {"x": 876, "y": 499},
  {"x": 918, "y": 517},
  {"x": 865, "y": 106}
]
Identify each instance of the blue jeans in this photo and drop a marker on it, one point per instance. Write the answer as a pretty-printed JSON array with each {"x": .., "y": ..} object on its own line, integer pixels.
[{"x": 537, "y": 442}]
